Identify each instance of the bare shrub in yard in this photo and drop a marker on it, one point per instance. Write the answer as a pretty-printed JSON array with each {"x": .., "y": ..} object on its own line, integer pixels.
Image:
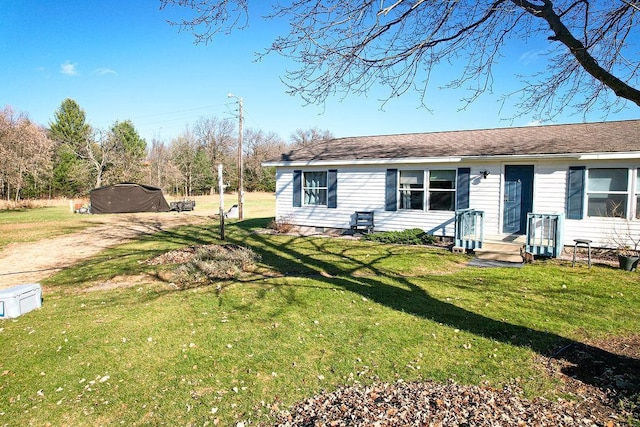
[
  {"x": 215, "y": 262},
  {"x": 281, "y": 225}
]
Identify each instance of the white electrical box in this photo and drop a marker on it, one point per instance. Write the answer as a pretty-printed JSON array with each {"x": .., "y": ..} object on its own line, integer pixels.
[{"x": 20, "y": 299}]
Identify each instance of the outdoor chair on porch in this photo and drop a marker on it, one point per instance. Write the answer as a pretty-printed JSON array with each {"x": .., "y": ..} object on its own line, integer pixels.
[{"x": 363, "y": 220}]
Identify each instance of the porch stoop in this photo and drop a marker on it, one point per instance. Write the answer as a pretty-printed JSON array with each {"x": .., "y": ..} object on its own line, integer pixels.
[{"x": 501, "y": 251}]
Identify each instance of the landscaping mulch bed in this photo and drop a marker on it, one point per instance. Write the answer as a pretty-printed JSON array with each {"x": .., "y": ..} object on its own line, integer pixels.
[
  {"x": 432, "y": 404},
  {"x": 607, "y": 394}
]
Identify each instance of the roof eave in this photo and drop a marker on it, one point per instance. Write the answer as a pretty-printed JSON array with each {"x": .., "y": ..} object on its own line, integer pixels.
[
  {"x": 455, "y": 159},
  {"x": 611, "y": 156},
  {"x": 351, "y": 162}
]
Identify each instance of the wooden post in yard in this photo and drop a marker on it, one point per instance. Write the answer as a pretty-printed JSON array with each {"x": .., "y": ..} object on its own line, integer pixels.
[{"x": 221, "y": 191}]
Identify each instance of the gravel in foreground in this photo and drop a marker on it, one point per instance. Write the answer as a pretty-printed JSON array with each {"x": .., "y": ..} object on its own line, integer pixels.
[{"x": 433, "y": 404}]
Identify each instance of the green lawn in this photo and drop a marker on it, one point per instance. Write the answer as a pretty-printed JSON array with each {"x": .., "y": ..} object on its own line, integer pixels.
[
  {"x": 316, "y": 314},
  {"x": 29, "y": 225}
]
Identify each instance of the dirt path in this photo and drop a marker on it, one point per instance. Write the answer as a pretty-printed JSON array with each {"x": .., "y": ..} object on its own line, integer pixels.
[{"x": 22, "y": 263}]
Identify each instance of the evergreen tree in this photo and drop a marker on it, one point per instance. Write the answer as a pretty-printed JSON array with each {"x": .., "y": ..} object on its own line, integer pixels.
[
  {"x": 70, "y": 126},
  {"x": 72, "y": 134},
  {"x": 129, "y": 151}
]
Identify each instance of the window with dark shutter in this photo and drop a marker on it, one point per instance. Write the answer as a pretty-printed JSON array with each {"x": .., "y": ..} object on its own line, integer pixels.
[
  {"x": 464, "y": 188},
  {"x": 297, "y": 188},
  {"x": 391, "y": 190},
  {"x": 575, "y": 192},
  {"x": 332, "y": 184}
]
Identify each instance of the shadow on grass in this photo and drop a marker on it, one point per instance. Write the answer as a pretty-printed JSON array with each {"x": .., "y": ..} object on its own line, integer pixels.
[
  {"x": 360, "y": 275},
  {"x": 581, "y": 361},
  {"x": 126, "y": 259}
]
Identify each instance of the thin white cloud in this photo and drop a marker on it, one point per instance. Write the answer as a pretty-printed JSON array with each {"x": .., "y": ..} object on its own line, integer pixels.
[
  {"x": 105, "y": 72},
  {"x": 69, "y": 68},
  {"x": 534, "y": 123},
  {"x": 531, "y": 56}
]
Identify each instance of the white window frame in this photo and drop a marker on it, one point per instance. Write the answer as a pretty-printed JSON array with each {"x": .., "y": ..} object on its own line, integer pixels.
[
  {"x": 592, "y": 192},
  {"x": 317, "y": 190},
  {"x": 426, "y": 190},
  {"x": 442, "y": 190},
  {"x": 404, "y": 193}
]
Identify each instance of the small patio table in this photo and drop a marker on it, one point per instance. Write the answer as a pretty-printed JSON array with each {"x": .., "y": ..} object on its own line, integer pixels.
[{"x": 584, "y": 243}]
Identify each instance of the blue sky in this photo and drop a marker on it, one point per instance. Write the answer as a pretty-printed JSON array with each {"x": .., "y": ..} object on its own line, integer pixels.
[{"x": 119, "y": 59}]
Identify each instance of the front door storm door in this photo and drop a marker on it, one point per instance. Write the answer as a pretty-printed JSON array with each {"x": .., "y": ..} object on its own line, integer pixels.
[{"x": 518, "y": 198}]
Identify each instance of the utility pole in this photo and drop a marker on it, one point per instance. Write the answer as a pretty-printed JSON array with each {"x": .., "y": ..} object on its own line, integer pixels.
[{"x": 240, "y": 165}]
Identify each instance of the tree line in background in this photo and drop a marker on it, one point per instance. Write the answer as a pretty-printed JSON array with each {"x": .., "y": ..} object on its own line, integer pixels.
[{"x": 71, "y": 157}]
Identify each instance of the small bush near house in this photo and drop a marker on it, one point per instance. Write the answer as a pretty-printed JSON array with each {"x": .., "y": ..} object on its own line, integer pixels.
[
  {"x": 215, "y": 262},
  {"x": 282, "y": 225},
  {"x": 415, "y": 236}
]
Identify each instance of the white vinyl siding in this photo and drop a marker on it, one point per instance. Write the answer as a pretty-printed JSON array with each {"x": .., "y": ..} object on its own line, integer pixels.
[
  {"x": 484, "y": 195},
  {"x": 550, "y": 187},
  {"x": 359, "y": 188},
  {"x": 363, "y": 188}
]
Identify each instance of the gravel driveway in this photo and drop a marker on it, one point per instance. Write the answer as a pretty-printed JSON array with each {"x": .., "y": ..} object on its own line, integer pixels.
[{"x": 22, "y": 263}]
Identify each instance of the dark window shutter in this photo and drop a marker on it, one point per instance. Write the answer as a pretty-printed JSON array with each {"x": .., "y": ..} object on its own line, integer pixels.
[
  {"x": 391, "y": 190},
  {"x": 575, "y": 192},
  {"x": 297, "y": 188},
  {"x": 463, "y": 188},
  {"x": 332, "y": 190}
]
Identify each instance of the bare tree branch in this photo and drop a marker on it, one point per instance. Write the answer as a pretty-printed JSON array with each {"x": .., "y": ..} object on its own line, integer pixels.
[
  {"x": 345, "y": 47},
  {"x": 578, "y": 50}
]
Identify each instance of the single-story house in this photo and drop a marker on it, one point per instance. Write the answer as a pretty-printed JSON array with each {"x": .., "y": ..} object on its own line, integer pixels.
[{"x": 551, "y": 184}]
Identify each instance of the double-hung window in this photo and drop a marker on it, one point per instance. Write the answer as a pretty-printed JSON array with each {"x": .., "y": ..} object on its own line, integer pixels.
[
  {"x": 412, "y": 189},
  {"x": 442, "y": 190},
  {"x": 607, "y": 192},
  {"x": 434, "y": 190},
  {"x": 315, "y": 188}
]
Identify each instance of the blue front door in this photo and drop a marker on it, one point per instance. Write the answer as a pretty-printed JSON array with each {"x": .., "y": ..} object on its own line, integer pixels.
[{"x": 518, "y": 198}]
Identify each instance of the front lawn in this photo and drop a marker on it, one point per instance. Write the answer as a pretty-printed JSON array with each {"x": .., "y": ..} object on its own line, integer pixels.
[{"x": 316, "y": 314}]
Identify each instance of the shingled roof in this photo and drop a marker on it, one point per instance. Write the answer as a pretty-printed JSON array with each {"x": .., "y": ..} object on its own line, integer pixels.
[{"x": 583, "y": 138}]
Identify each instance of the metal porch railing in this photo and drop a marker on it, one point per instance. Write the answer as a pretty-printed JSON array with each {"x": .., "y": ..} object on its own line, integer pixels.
[
  {"x": 469, "y": 229},
  {"x": 545, "y": 234}
]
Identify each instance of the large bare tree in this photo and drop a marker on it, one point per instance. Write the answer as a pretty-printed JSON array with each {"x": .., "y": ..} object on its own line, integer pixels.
[
  {"x": 98, "y": 150},
  {"x": 259, "y": 147},
  {"x": 189, "y": 158},
  {"x": 162, "y": 173},
  {"x": 25, "y": 153},
  {"x": 346, "y": 46},
  {"x": 218, "y": 139},
  {"x": 304, "y": 137}
]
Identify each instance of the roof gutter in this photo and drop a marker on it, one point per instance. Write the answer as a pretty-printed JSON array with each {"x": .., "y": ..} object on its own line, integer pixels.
[
  {"x": 406, "y": 160},
  {"x": 611, "y": 156},
  {"x": 458, "y": 159}
]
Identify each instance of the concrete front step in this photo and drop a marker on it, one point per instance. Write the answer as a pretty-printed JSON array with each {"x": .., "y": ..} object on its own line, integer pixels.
[{"x": 507, "y": 252}]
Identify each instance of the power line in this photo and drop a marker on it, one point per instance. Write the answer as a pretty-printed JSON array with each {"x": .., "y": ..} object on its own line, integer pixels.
[
  {"x": 178, "y": 111},
  {"x": 169, "y": 113}
]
